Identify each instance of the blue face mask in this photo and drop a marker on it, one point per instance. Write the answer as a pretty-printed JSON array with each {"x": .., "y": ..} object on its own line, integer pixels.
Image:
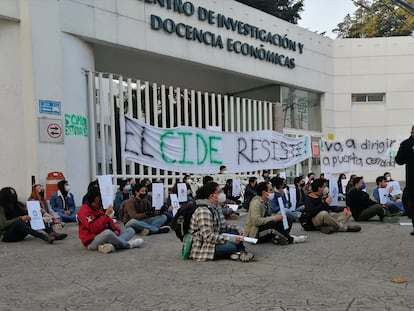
[
  {"x": 127, "y": 188},
  {"x": 363, "y": 186}
]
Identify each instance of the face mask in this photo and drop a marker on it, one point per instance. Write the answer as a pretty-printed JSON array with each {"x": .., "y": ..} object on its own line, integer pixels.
[
  {"x": 363, "y": 186},
  {"x": 224, "y": 172},
  {"x": 142, "y": 195},
  {"x": 388, "y": 178},
  {"x": 42, "y": 193},
  {"x": 67, "y": 188},
  {"x": 221, "y": 198},
  {"x": 271, "y": 196},
  {"x": 127, "y": 188}
]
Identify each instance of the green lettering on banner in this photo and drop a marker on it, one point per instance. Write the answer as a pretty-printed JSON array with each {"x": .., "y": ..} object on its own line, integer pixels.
[
  {"x": 183, "y": 160},
  {"x": 162, "y": 146},
  {"x": 76, "y": 125},
  {"x": 198, "y": 139},
  {"x": 214, "y": 150}
]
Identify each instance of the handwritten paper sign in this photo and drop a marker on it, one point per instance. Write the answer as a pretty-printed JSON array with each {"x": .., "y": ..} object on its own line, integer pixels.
[
  {"x": 236, "y": 188},
  {"x": 157, "y": 195},
  {"x": 174, "y": 203},
  {"x": 356, "y": 155},
  {"x": 283, "y": 212},
  {"x": 182, "y": 192},
  {"x": 185, "y": 149},
  {"x": 36, "y": 218}
]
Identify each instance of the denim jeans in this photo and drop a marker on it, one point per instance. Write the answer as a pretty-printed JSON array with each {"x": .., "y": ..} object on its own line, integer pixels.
[
  {"x": 152, "y": 223},
  {"x": 108, "y": 236}
]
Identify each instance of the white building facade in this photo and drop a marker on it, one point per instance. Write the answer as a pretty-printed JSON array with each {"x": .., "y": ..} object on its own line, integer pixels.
[{"x": 52, "y": 52}]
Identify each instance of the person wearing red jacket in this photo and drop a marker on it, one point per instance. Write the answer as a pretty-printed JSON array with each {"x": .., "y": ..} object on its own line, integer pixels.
[{"x": 97, "y": 230}]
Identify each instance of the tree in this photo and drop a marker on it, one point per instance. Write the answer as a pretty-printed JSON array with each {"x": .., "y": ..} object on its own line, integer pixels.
[
  {"x": 287, "y": 10},
  {"x": 377, "y": 18}
]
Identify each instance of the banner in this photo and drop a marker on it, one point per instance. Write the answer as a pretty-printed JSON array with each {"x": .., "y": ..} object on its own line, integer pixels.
[
  {"x": 354, "y": 155},
  {"x": 199, "y": 151}
]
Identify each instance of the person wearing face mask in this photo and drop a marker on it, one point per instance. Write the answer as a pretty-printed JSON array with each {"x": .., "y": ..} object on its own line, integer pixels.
[
  {"x": 264, "y": 226},
  {"x": 140, "y": 215},
  {"x": 341, "y": 194},
  {"x": 405, "y": 155},
  {"x": 223, "y": 202},
  {"x": 300, "y": 193},
  {"x": 278, "y": 185},
  {"x": 208, "y": 228},
  {"x": 317, "y": 209},
  {"x": 362, "y": 207},
  {"x": 97, "y": 230},
  {"x": 50, "y": 217},
  {"x": 124, "y": 193},
  {"x": 63, "y": 202}
]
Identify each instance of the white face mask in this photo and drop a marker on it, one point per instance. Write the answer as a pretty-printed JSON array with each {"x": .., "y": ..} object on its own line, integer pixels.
[
  {"x": 67, "y": 188},
  {"x": 221, "y": 197},
  {"x": 271, "y": 196},
  {"x": 388, "y": 178}
]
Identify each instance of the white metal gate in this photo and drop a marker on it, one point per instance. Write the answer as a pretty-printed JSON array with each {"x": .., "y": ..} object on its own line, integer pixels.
[{"x": 113, "y": 95}]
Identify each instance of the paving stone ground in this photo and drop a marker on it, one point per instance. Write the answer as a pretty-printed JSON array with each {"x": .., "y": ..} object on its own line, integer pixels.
[{"x": 341, "y": 271}]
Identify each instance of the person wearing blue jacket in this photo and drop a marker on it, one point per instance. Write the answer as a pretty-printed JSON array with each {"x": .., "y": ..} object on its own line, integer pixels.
[{"x": 63, "y": 202}]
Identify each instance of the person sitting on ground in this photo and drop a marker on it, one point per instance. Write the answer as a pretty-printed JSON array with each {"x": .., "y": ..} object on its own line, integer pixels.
[
  {"x": 187, "y": 181},
  {"x": 63, "y": 202},
  {"x": 14, "y": 220},
  {"x": 50, "y": 217},
  {"x": 266, "y": 175},
  {"x": 249, "y": 192},
  {"x": 362, "y": 207},
  {"x": 124, "y": 193},
  {"x": 278, "y": 185},
  {"x": 300, "y": 193},
  {"x": 395, "y": 208},
  {"x": 228, "y": 191},
  {"x": 264, "y": 226},
  {"x": 97, "y": 230},
  {"x": 140, "y": 215},
  {"x": 341, "y": 194},
  {"x": 317, "y": 210},
  {"x": 308, "y": 186},
  {"x": 228, "y": 212},
  {"x": 207, "y": 226},
  {"x": 396, "y": 196},
  {"x": 350, "y": 184}
]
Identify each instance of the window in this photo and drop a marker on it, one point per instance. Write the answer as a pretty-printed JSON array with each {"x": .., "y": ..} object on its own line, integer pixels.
[{"x": 375, "y": 98}]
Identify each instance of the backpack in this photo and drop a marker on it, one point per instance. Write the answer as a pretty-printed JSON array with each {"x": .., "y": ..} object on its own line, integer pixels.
[
  {"x": 306, "y": 222},
  {"x": 181, "y": 221}
]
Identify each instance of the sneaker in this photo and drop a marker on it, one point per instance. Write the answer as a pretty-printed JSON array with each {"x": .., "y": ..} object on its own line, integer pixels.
[
  {"x": 60, "y": 236},
  {"x": 106, "y": 248},
  {"x": 279, "y": 239},
  {"x": 354, "y": 228},
  {"x": 327, "y": 229},
  {"x": 135, "y": 243},
  {"x": 164, "y": 229},
  {"x": 50, "y": 238},
  {"x": 235, "y": 256},
  {"x": 412, "y": 233},
  {"x": 144, "y": 232},
  {"x": 299, "y": 238}
]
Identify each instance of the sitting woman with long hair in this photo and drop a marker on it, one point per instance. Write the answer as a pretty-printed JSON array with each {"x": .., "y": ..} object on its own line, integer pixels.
[{"x": 14, "y": 220}]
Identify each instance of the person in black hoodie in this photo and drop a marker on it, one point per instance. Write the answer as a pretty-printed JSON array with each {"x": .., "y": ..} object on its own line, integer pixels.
[
  {"x": 405, "y": 155},
  {"x": 362, "y": 207},
  {"x": 317, "y": 209}
]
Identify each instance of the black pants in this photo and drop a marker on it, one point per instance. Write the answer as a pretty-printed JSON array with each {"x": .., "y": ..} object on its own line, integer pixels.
[
  {"x": 266, "y": 231},
  {"x": 19, "y": 231},
  {"x": 408, "y": 203}
]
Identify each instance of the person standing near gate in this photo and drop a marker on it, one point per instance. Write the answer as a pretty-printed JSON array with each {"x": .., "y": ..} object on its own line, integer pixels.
[{"x": 405, "y": 155}]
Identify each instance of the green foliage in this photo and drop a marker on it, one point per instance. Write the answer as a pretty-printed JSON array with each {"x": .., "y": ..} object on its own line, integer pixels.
[
  {"x": 377, "y": 18},
  {"x": 287, "y": 10}
]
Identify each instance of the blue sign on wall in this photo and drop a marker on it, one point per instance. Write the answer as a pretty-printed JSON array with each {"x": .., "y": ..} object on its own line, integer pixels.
[{"x": 49, "y": 107}]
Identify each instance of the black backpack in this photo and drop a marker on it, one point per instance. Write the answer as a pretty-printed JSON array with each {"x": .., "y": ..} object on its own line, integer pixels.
[
  {"x": 181, "y": 221},
  {"x": 306, "y": 222}
]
